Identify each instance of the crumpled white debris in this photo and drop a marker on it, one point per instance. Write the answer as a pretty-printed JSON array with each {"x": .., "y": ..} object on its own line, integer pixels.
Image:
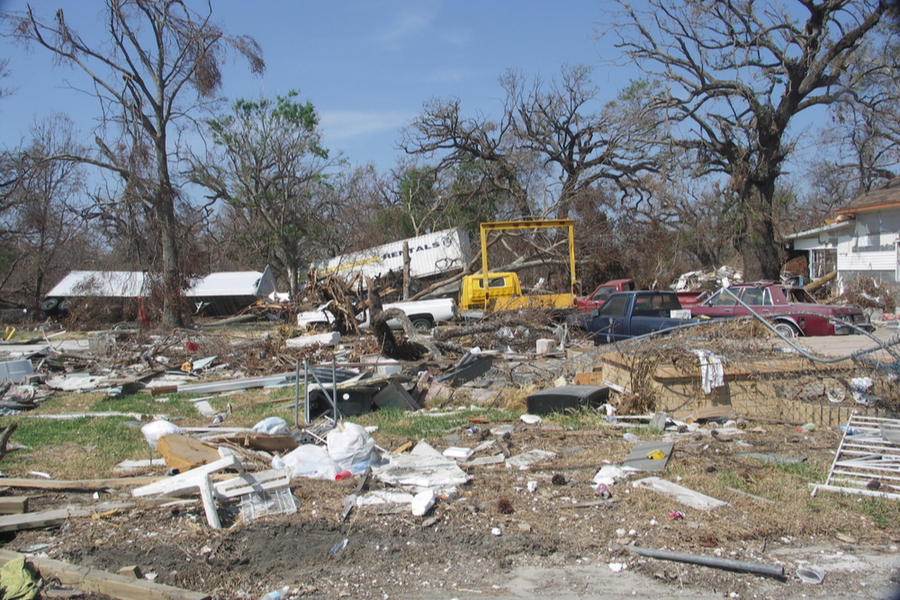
[{"x": 712, "y": 374}]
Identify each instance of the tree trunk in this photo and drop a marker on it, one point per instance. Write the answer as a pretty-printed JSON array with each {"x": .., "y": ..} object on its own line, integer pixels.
[
  {"x": 172, "y": 300},
  {"x": 406, "y": 265},
  {"x": 759, "y": 247},
  {"x": 292, "y": 280}
]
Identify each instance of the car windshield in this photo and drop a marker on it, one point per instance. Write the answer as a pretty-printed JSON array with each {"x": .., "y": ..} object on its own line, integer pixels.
[{"x": 721, "y": 298}]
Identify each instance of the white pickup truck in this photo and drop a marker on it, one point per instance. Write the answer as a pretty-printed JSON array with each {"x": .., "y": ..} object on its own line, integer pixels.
[{"x": 422, "y": 313}]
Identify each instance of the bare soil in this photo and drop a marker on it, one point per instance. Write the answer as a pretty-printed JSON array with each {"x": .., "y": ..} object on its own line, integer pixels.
[{"x": 547, "y": 547}]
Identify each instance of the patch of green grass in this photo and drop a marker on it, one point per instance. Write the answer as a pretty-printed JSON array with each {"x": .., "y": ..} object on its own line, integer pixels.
[
  {"x": 584, "y": 418},
  {"x": 417, "y": 425},
  {"x": 880, "y": 511},
  {"x": 806, "y": 471},
  {"x": 78, "y": 448},
  {"x": 173, "y": 405},
  {"x": 728, "y": 479}
]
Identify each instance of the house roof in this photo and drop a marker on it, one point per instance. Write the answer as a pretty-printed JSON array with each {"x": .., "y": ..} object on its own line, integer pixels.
[
  {"x": 824, "y": 229},
  {"x": 887, "y": 196}
]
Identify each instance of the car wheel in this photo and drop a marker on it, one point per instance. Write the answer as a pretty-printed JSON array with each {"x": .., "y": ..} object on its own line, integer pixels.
[
  {"x": 421, "y": 323},
  {"x": 787, "y": 330},
  {"x": 50, "y": 305}
]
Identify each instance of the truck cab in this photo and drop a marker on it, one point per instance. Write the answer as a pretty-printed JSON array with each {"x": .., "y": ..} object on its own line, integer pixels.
[
  {"x": 474, "y": 293},
  {"x": 632, "y": 314}
]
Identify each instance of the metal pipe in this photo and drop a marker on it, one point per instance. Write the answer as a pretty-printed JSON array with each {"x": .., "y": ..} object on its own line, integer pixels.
[
  {"x": 334, "y": 387},
  {"x": 297, "y": 394},
  {"x": 306, "y": 391},
  {"x": 710, "y": 561}
]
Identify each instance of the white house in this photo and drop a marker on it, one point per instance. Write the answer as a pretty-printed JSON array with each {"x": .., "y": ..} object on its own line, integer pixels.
[{"x": 863, "y": 239}]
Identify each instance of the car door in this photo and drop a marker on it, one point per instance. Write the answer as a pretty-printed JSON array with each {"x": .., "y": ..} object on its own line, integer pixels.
[{"x": 608, "y": 323}]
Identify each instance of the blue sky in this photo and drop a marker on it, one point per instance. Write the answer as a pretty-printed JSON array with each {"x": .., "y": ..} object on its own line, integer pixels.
[{"x": 367, "y": 66}]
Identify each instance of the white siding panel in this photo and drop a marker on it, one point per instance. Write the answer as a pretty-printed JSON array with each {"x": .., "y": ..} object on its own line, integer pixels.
[{"x": 867, "y": 261}]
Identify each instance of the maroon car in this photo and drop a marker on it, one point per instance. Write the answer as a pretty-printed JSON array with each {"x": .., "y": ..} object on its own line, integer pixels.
[{"x": 792, "y": 310}]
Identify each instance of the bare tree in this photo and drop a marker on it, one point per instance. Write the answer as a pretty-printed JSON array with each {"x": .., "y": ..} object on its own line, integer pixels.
[
  {"x": 737, "y": 73},
  {"x": 44, "y": 231},
  {"x": 155, "y": 50},
  {"x": 555, "y": 137}
]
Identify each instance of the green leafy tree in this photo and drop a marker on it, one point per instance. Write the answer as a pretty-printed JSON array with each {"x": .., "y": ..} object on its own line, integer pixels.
[{"x": 269, "y": 167}]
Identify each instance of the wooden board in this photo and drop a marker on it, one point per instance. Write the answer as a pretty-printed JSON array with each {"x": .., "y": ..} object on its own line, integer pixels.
[
  {"x": 184, "y": 452},
  {"x": 83, "y": 484},
  {"x": 103, "y": 582},
  {"x": 12, "y": 505},
  {"x": 54, "y": 518}
]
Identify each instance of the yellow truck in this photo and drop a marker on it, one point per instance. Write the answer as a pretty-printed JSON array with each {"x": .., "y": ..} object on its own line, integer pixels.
[{"x": 503, "y": 290}]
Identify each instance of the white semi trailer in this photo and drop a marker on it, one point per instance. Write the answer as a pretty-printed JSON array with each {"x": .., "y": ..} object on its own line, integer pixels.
[{"x": 430, "y": 254}]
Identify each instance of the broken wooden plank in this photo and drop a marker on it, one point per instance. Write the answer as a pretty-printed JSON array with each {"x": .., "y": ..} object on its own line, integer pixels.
[
  {"x": 681, "y": 494},
  {"x": 104, "y": 582},
  {"x": 84, "y": 484},
  {"x": 38, "y": 520},
  {"x": 184, "y": 452},
  {"x": 56, "y": 517},
  {"x": 12, "y": 505}
]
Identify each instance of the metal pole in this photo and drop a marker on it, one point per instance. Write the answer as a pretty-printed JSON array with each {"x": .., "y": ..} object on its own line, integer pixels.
[
  {"x": 297, "y": 394},
  {"x": 306, "y": 391},
  {"x": 334, "y": 387},
  {"x": 709, "y": 561}
]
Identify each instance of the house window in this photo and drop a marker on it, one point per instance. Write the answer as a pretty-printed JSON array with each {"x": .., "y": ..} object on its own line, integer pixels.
[{"x": 822, "y": 262}]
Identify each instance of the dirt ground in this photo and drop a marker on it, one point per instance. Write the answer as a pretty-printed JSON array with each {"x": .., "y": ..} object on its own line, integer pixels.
[{"x": 547, "y": 546}]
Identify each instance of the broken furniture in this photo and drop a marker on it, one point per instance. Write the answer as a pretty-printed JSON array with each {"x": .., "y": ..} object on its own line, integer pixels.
[{"x": 195, "y": 480}]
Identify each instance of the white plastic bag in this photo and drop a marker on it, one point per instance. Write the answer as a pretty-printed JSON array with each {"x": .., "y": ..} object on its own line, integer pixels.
[
  {"x": 351, "y": 446},
  {"x": 272, "y": 426},
  {"x": 311, "y": 461},
  {"x": 155, "y": 430}
]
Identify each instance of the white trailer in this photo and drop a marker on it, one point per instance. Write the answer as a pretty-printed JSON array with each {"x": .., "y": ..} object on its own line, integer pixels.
[{"x": 430, "y": 254}]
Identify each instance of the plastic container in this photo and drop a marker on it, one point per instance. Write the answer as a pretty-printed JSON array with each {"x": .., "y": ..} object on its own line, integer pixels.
[{"x": 277, "y": 594}]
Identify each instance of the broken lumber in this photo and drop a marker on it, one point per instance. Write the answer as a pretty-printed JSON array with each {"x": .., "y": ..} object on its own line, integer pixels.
[
  {"x": 184, "y": 452},
  {"x": 710, "y": 561},
  {"x": 104, "y": 582},
  {"x": 56, "y": 517},
  {"x": 11, "y": 505},
  {"x": 84, "y": 484}
]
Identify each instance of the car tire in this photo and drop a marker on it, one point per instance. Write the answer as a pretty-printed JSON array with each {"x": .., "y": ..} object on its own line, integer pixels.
[
  {"x": 787, "y": 330},
  {"x": 50, "y": 305},
  {"x": 421, "y": 323}
]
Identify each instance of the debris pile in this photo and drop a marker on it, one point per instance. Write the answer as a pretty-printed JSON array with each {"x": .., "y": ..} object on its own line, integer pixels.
[{"x": 404, "y": 472}]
